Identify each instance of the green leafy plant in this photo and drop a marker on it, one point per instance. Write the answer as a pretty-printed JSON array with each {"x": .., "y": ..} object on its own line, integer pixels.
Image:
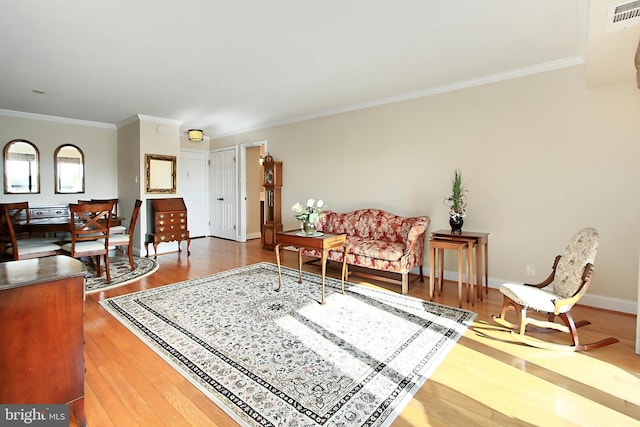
[{"x": 457, "y": 202}]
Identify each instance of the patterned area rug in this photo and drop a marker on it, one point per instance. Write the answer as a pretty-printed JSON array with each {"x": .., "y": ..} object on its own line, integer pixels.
[
  {"x": 280, "y": 358},
  {"x": 121, "y": 273}
]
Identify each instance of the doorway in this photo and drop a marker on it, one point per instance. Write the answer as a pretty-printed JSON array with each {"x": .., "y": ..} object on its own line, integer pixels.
[{"x": 251, "y": 190}]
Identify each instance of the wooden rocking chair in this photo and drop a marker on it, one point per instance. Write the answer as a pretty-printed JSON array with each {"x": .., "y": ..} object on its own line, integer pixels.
[{"x": 570, "y": 278}]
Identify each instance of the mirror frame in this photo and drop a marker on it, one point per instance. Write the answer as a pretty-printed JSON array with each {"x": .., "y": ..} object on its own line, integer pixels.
[
  {"x": 6, "y": 160},
  {"x": 56, "y": 176},
  {"x": 160, "y": 173}
]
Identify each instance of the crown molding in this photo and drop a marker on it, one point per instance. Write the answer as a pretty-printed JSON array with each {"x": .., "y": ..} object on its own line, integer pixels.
[
  {"x": 66, "y": 120},
  {"x": 464, "y": 84},
  {"x": 144, "y": 118}
]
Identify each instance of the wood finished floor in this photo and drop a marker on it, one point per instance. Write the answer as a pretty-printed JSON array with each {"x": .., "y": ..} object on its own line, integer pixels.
[{"x": 485, "y": 380}]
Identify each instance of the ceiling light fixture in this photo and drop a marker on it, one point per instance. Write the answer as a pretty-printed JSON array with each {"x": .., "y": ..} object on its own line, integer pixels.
[{"x": 195, "y": 135}]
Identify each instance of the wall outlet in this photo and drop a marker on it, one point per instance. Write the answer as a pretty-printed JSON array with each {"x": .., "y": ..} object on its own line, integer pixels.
[{"x": 531, "y": 270}]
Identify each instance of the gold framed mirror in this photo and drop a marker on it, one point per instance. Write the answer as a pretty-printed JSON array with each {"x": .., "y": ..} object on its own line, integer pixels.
[
  {"x": 160, "y": 173},
  {"x": 21, "y": 167},
  {"x": 68, "y": 162}
]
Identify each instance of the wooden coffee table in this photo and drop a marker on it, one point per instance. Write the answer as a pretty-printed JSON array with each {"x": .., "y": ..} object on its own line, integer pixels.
[{"x": 323, "y": 242}]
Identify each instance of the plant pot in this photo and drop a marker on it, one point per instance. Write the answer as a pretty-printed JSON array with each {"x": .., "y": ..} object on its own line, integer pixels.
[{"x": 456, "y": 224}]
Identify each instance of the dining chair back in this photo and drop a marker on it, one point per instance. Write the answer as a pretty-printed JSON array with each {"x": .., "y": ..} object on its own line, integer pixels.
[
  {"x": 90, "y": 224},
  {"x": 115, "y": 229},
  {"x": 126, "y": 240}
]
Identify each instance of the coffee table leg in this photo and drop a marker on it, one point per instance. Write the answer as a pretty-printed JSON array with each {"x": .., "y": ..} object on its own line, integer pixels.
[
  {"x": 344, "y": 267},
  {"x": 324, "y": 270},
  {"x": 277, "y": 248},
  {"x": 299, "y": 265}
]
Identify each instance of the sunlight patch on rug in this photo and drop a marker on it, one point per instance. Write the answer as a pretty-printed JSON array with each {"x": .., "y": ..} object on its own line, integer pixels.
[
  {"x": 281, "y": 358},
  {"x": 121, "y": 273}
]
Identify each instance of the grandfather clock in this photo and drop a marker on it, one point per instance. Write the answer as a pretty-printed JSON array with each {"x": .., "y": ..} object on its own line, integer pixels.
[{"x": 272, "y": 203}]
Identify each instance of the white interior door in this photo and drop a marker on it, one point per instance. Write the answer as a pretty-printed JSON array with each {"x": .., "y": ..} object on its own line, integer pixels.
[
  {"x": 223, "y": 193},
  {"x": 193, "y": 189}
]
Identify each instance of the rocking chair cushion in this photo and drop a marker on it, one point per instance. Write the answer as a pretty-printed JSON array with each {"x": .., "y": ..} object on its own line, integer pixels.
[
  {"x": 580, "y": 251},
  {"x": 531, "y": 297}
]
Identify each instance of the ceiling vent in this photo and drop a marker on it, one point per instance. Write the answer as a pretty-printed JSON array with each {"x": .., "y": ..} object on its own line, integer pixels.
[{"x": 623, "y": 16}]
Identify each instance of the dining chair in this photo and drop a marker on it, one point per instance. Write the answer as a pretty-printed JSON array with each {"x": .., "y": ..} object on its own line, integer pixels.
[
  {"x": 25, "y": 248},
  {"x": 90, "y": 224},
  {"x": 20, "y": 215},
  {"x": 126, "y": 240}
]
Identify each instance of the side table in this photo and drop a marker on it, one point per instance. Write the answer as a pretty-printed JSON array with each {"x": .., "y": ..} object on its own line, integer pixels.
[
  {"x": 480, "y": 241},
  {"x": 321, "y": 241}
]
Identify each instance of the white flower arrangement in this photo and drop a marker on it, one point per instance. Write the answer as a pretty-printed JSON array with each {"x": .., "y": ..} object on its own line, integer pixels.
[{"x": 309, "y": 213}]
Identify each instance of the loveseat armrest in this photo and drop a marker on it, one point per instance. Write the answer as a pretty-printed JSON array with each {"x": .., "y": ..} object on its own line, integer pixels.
[{"x": 414, "y": 245}]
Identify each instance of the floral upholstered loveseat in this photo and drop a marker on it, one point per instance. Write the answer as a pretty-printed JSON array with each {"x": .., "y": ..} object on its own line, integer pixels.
[{"x": 378, "y": 240}]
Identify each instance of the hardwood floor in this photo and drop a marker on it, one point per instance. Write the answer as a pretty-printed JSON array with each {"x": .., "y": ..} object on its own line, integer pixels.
[{"x": 485, "y": 380}]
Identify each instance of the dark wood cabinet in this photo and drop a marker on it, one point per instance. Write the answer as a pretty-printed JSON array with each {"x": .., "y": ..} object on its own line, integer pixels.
[
  {"x": 42, "y": 333},
  {"x": 169, "y": 224}
]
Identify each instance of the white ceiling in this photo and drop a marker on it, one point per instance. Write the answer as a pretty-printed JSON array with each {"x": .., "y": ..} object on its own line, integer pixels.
[{"x": 226, "y": 66}]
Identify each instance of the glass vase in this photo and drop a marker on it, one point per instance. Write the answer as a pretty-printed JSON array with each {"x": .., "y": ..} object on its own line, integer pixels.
[{"x": 309, "y": 228}]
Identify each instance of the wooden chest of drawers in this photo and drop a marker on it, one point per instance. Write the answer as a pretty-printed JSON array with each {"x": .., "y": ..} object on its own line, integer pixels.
[
  {"x": 169, "y": 224},
  {"x": 42, "y": 333}
]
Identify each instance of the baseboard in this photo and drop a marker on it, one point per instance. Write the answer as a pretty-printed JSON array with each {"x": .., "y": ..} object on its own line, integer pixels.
[
  {"x": 251, "y": 236},
  {"x": 591, "y": 300}
]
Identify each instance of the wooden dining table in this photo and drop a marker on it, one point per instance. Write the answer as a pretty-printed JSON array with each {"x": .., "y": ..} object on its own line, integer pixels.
[{"x": 61, "y": 224}]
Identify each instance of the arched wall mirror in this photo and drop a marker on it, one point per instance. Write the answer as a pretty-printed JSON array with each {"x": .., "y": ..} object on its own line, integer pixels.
[
  {"x": 68, "y": 163},
  {"x": 21, "y": 167}
]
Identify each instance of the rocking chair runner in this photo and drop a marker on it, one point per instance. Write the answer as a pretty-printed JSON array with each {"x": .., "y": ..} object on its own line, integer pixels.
[{"x": 570, "y": 278}]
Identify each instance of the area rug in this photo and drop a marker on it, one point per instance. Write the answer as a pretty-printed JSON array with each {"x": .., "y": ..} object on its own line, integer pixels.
[
  {"x": 121, "y": 273},
  {"x": 280, "y": 358}
]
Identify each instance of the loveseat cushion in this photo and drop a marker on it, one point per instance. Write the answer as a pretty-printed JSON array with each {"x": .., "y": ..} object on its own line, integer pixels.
[{"x": 375, "y": 248}]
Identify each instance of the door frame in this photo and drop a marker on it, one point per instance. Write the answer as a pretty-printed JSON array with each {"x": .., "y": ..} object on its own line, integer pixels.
[
  {"x": 242, "y": 186},
  {"x": 235, "y": 202}
]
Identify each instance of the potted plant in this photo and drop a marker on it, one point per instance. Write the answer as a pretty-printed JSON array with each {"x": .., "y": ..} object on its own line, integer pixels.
[{"x": 457, "y": 203}]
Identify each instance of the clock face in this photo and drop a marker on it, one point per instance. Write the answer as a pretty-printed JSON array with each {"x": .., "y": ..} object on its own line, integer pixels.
[{"x": 268, "y": 176}]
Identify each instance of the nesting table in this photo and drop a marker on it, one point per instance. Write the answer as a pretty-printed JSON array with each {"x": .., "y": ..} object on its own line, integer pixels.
[{"x": 466, "y": 240}]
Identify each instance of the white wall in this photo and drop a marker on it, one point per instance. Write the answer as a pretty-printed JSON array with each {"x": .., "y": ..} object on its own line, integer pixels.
[
  {"x": 542, "y": 156},
  {"x": 131, "y": 179},
  {"x": 157, "y": 136},
  {"x": 98, "y": 143}
]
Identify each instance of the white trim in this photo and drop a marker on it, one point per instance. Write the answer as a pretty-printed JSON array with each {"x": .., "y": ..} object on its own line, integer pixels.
[
  {"x": 571, "y": 61},
  {"x": 141, "y": 117},
  {"x": 591, "y": 300},
  {"x": 33, "y": 116},
  {"x": 242, "y": 187},
  {"x": 159, "y": 120}
]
